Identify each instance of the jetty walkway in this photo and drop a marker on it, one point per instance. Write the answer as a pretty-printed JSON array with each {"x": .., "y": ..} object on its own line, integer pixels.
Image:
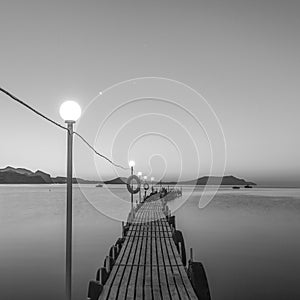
[{"x": 147, "y": 264}]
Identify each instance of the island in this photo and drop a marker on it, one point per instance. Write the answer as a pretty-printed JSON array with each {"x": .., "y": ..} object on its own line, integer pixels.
[
  {"x": 213, "y": 180},
  {"x": 11, "y": 175}
]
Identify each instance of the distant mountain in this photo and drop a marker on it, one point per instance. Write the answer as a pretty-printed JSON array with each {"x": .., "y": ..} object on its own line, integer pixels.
[
  {"x": 10, "y": 175},
  {"x": 118, "y": 180},
  {"x": 226, "y": 180},
  {"x": 46, "y": 177},
  {"x": 85, "y": 181},
  {"x": 60, "y": 179},
  {"x": 17, "y": 170},
  {"x": 23, "y": 176},
  {"x": 214, "y": 180}
]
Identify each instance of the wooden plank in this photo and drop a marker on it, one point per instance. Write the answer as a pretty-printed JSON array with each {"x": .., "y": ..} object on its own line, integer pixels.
[
  {"x": 148, "y": 282},
  {"x": 122, "y": 287},
  {"x": 132, "y": 283},
  {"x": 139, "y": 283},
  {"x": 122, "y": 294},
  {"x": 140, "y": 271},
  {"x": 179, "y": 283},
  {"x": 181, "y": 270},
  {"x": 112, "y": 293},
  {"x": 176, "y": 287},
  {"x": 156, "y": 289},
  {"x": 164, "y": 283},
  {"x": 111, "y": 287},
  {"x": 188, "y": 286}
]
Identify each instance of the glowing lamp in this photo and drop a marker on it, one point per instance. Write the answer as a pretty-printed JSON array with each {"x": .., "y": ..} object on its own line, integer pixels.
[
  {"x": 131, "y": 164},
  {"x": 70, "y": 111}
]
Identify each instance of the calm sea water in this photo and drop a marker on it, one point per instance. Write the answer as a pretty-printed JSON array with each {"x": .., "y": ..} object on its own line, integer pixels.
[{"x": 248, "y": 240}]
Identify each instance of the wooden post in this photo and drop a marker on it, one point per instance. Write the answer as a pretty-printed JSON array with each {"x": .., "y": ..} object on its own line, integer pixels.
[
  {"x": 108, "y": 264},
  {"x": 101, "y": 275},
  {"x": 115, "y": 252}
]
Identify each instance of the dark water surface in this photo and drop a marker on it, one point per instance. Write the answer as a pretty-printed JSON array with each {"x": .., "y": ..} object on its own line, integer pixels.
[{"x": 248, "y": 241}]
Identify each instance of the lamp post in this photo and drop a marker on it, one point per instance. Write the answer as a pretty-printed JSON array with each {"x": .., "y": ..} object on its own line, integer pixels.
[
  {"x": 70, "y": 112},
  {"x": 131, "y": 165},
  {"x": 145, "y": 178},
  {"x": 140, "y": 177},
  {"x": 152, "y": 179}
]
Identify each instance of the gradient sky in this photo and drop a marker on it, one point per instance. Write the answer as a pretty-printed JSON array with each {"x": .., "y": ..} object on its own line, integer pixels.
[{"x": 242, "y": 56}]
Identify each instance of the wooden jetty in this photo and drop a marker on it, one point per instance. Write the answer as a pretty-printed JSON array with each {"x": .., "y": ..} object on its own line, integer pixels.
[{"x": 147, "y": 263}]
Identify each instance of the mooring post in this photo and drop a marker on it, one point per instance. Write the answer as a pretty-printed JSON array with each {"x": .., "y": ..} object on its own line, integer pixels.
[
  {"x": 103, "y": 276},
  {"x": 191, "y": 254},
  {"x": 94, "y": 290},
  {"x": 115, "y": 252},
  {"x": 108, "y": 264}
]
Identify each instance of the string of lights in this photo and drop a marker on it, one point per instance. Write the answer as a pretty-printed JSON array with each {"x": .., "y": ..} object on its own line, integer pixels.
[{"x": 60, "y": 126}]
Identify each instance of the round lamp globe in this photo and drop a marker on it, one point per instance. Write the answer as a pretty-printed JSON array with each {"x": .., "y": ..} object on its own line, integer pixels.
[
  {"x": 70, "y": 111},
  {"x": 131, "y": 164}
]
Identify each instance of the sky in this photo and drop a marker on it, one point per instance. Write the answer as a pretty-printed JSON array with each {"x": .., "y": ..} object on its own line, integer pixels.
[{"x": 233, "y": 64}]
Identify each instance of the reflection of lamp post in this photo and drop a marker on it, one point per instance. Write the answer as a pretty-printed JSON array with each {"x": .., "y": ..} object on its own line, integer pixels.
[
  {"x": 140, "y": 177},
  {"x": 131, "y": 165},
  {"x": 70, "y": 112},
  {"x": 145, "y": 179}
]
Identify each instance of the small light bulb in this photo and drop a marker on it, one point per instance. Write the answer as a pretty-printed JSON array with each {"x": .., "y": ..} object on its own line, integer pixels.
[{"x": 131, "y": 163}]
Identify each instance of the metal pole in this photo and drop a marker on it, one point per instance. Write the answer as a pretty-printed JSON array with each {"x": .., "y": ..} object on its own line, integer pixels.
[
  {"x": 131, "y": 193},
  {"x": 69, "y": 213},
  {"x": 140, "y": 193}
]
